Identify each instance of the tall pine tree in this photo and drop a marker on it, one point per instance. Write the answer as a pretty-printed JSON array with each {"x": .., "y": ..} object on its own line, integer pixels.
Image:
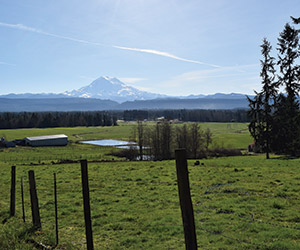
[
  {"x": 268, "y": 93},
  {"x": 256, "y": 127},
  {"x": 287, "y": 120},
  {"x": 261, "y": 107},
  {"x": 275, "y": 118}
]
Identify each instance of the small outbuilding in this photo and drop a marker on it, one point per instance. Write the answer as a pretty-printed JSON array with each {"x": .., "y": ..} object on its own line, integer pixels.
[
  {"x": 7, "y": 144},
  {"x": 48, "y": 140}
]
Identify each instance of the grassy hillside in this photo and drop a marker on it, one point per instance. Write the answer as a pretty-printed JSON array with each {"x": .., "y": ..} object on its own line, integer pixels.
[{"x": 239, "y": 202}]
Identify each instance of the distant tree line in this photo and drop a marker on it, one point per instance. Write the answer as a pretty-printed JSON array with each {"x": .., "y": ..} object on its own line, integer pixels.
[
  {"x": 195, "y": 115},
  {"x": 56, "y": 119},
  {"x": 11, "y": 120},
  {"x": 275, "y": 116}
]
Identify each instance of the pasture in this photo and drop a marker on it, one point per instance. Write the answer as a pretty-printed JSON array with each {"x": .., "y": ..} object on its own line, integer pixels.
[{"x": 243, "y": 202}]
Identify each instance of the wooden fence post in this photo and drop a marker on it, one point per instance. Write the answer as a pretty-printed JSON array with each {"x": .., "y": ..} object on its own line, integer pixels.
[
  {"x": 86, "y": 205},
  {"x": 36, "y": 219},
  {"x": 55, "y": 204},
  {"x": 185, "y": 200},
  {"x": 22, "y": 196},
  {"x": 13, "y": 192}
]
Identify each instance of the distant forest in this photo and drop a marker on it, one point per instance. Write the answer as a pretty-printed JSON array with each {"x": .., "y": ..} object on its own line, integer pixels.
[
  {"x": 11, "y": 120},
  {"x": 188, "y": 115},
  {"x": 56, "y": 119}
]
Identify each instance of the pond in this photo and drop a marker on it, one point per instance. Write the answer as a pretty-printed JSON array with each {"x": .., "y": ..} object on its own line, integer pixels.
[
  {"x": 120, "y": 144},
  {"x": 111, "y": 143}
]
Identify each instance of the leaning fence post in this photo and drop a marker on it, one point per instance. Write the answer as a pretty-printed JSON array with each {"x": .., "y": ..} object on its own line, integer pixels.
[
  {"x": 86, "y": 205},
  {"x": 13, "y": 192},
  {"x": 36, "y": 220},
  {"x": 185, "y": 200},
  {"x": 22, "y": 196}
]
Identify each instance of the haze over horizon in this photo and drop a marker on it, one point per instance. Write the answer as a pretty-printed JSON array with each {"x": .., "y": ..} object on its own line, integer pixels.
[{"x": 168, "y": 47}]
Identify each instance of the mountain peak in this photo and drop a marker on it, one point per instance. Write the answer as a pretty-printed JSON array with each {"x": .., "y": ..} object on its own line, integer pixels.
[
  {"x": 109, "y": 78},
  {"x": 106, "y": 87},
  {"x": 105, "y": 77}
]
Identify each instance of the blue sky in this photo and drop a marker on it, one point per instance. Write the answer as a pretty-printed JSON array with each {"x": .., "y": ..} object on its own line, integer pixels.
[{"x": 172, "y": 47}]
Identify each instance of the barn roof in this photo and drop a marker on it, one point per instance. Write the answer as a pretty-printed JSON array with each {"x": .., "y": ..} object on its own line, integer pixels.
[{"x": 46, "y": 137}]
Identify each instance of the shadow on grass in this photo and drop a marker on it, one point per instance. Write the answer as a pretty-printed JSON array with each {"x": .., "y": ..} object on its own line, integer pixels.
[
  {"x": 28, "y": 232},
  {"x": 25, "y": 232},
  {"x": 286, "y": 157},
  {"x": 4, "y": 217}
]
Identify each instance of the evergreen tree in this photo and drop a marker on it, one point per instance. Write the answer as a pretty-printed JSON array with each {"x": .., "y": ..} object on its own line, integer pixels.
[
  {"x": 256, "y": 125},
  {"x": 280, "y": 130},
  {"x": 268, "y": 93},
  {"x": 288, "y": 120},
  {"x": 288, "y": 43},
  {"x": 275, "y": 119}
]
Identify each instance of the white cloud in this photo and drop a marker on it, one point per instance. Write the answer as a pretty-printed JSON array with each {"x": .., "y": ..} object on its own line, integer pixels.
[
  {"x": 239, "y": 79},
  {"x": 149, "y": 51}
]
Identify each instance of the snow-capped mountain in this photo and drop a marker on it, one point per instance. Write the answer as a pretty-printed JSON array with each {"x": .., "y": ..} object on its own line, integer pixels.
[
  {"x": 113, "y": 89},
  {"x": 109, "y": 93}
]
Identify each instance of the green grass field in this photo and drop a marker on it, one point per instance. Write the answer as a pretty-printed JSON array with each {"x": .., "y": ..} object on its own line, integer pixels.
[{"x": 243, "y": 202}]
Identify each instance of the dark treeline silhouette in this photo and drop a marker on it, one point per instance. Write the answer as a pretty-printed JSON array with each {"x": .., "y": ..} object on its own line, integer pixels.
[
  {"x": 56, "y": 119},
  {"x": 194, "y": 115},
  {"x": 275, "y": 116},
  {"x": 12, "y": 120}
]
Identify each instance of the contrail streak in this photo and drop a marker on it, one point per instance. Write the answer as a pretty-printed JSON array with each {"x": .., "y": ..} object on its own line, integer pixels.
[
  {"x": 149, "y": 51},
  {"x": 166, "y": 54}
]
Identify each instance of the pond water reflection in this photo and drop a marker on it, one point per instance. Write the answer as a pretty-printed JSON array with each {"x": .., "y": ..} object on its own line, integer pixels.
[{"x": 111, "y": 143}]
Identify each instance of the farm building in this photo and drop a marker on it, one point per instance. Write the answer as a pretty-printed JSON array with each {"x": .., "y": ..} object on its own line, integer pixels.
[{"x": 48, "y": 140}]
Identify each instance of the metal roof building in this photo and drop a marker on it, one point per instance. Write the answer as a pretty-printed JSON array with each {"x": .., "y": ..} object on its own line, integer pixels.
[{"x": 48, "y": 140}]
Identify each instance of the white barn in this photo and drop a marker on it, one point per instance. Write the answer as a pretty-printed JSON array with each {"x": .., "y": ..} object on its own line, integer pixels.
[{"x": 48, "y": 140}]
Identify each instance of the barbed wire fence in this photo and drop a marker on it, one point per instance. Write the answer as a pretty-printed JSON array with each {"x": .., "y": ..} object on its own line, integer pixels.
[{"x": 215, "y": 190}]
